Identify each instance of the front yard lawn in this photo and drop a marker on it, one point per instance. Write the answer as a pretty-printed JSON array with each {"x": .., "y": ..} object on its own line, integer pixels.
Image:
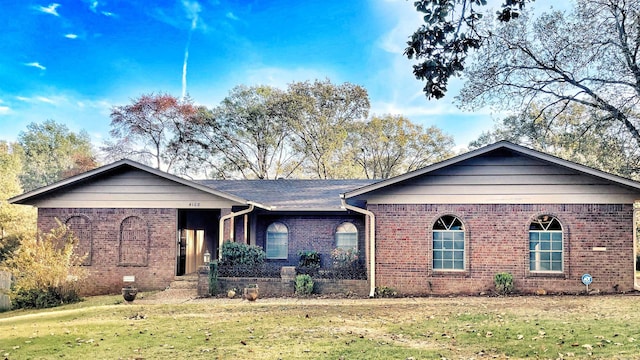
[{"x": 420, "y": 328}]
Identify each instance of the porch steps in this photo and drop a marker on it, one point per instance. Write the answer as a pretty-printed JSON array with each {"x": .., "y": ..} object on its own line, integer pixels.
[
  {"x": 182, "y": 288},
  {"x": 185, "y": 282}
]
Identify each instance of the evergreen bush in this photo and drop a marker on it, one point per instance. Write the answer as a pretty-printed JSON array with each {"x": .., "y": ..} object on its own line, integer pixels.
[
  {"x": 234, "y": 253},
  {"x": 503, "y": 282},
  {"x": 304, "y": 285},
  {"x": 309, "y": 262}
]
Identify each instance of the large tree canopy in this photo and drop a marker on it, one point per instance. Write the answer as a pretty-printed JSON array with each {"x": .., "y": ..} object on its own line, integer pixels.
[
  {"x": 149, "y": 130},
  {"x": 390, "y": 145},
  {"x": 310, "y": 130},
  {"x": 589, "y": 57},
  {"x": 53, "y": 152},
  {"x": 321, "y": 116},
  {"x": 247, "y": 135},
  {"x": 452, "y": 29},
  {"x": 571, "y": 135},
  {"x": 16, "y": 221}
]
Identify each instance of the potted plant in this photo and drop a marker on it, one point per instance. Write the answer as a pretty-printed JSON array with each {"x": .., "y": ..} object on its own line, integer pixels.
[
  {"x": 251, "y": 292},
  {"x": 129, "y": 293}
]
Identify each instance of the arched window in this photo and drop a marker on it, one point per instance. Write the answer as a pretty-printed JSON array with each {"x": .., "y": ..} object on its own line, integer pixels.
[
  {"x": 347, "y": 236},
  {"x": 277, "y": 244},
  {"x": 134, "y": 242},
  {"x": 545, "y": 245},
  {"x": 80, "y": 226},
  {"x": 448, "y": 244}
]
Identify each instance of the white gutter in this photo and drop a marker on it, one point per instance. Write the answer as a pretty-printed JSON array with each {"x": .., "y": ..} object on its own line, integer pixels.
[
  {"x": 221, "y": 227},
  {"x": 372, "y": 242}
]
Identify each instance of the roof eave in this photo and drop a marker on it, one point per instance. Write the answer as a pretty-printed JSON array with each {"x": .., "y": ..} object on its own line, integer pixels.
[
  {"x": 481, "y": 151},
  {"x": 21, "y": 199}
]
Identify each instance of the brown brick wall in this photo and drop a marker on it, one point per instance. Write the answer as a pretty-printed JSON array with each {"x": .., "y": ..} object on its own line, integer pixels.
[
  {"x": 497, "y": 240},
  {"x": 106, "y": 270},
  {"x": 310, "y": 233}
]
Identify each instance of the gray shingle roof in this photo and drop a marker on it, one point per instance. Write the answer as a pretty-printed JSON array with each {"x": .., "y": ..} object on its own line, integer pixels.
[{"x": 289, "y": 194}]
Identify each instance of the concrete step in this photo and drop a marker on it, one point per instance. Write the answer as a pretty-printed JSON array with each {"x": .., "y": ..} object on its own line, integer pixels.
[
  {"x": 184, "y": 282},
  {"x": 174, "y": 296}
]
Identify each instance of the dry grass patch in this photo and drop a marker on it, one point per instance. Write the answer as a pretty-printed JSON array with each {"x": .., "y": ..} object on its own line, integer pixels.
[{"x": 423, "y": 328}]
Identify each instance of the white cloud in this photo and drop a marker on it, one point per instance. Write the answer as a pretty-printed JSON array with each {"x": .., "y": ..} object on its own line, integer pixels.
[
  {"x": 35, "y": 64},
  {"x": 174, "y": 16},
  {"x": 71, "y": 36},
  {"x": 51, "y": 9},
  {"x": 4, "y": 110},
  {"x": 46, "y": 100},
  {"x": 232, "y": 16},
  {"x": 192, "y": 8},
  {"x": 93, "y": 6},
  {"x": 51, "y": 99}
]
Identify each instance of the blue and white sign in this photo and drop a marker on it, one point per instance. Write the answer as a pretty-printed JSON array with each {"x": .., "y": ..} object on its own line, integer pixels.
[{"x": 587, "y": 279}]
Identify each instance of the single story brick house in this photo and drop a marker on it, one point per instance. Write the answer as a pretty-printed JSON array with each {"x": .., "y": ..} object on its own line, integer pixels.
[{"x": 447, "y": 228}]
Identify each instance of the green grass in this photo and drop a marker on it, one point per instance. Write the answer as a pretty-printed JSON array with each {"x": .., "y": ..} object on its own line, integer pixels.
[{"x": 422, "y": 328}]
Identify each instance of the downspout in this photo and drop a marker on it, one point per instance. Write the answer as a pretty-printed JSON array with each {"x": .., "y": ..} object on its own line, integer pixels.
[
  {"x": 221, "y": 226},
  {"x": 372, "y": 242}
]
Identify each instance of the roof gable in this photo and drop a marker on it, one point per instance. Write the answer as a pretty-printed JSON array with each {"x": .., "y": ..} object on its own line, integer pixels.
[
  {"x": 118, "y": 170},
  {"x": 502, "y": 173}
]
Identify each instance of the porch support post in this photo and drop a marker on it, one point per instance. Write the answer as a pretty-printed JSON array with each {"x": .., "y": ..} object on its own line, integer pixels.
[{"x": 221, "y": 227}]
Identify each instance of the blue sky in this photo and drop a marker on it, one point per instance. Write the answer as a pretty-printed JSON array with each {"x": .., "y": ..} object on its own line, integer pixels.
[{"x": 71, "y": 61}]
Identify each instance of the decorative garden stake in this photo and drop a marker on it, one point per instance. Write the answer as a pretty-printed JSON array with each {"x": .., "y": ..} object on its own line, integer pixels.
[{"x": 587, "y": 280}]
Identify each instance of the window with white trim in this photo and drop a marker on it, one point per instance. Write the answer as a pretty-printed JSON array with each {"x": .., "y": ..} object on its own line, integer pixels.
[
  {"x": 545, "y": 245},
  {"x": 277, "y": 243},
  {"x": 448, "y": 244},
  {"x": 347, "y": 236}
]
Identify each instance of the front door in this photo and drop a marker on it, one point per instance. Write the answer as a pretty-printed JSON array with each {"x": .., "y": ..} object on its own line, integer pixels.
[{"x": 191, "y": 251}]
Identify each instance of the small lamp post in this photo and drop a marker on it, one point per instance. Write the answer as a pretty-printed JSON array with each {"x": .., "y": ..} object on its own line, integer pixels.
[{"x": 207, "y": 257}]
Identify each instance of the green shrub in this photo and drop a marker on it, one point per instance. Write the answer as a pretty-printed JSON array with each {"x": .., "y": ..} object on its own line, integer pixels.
[
  {"x": 503, "y": 282},
  {"x": 44, "y": 298},
  {"x": 309, "y": 259},
  {"x": 234, "y": 253},
  {"x": 304, "y": 285},
  {"x": 309, "y": 262},
  {"x": 637, "y": 262},
  {"x": 214, "y": 286}
]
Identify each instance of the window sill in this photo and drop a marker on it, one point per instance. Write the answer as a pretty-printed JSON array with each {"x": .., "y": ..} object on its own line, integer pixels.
[
  {"x": 540, "y": 274},
  {"x": 450, "y": 273}
]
